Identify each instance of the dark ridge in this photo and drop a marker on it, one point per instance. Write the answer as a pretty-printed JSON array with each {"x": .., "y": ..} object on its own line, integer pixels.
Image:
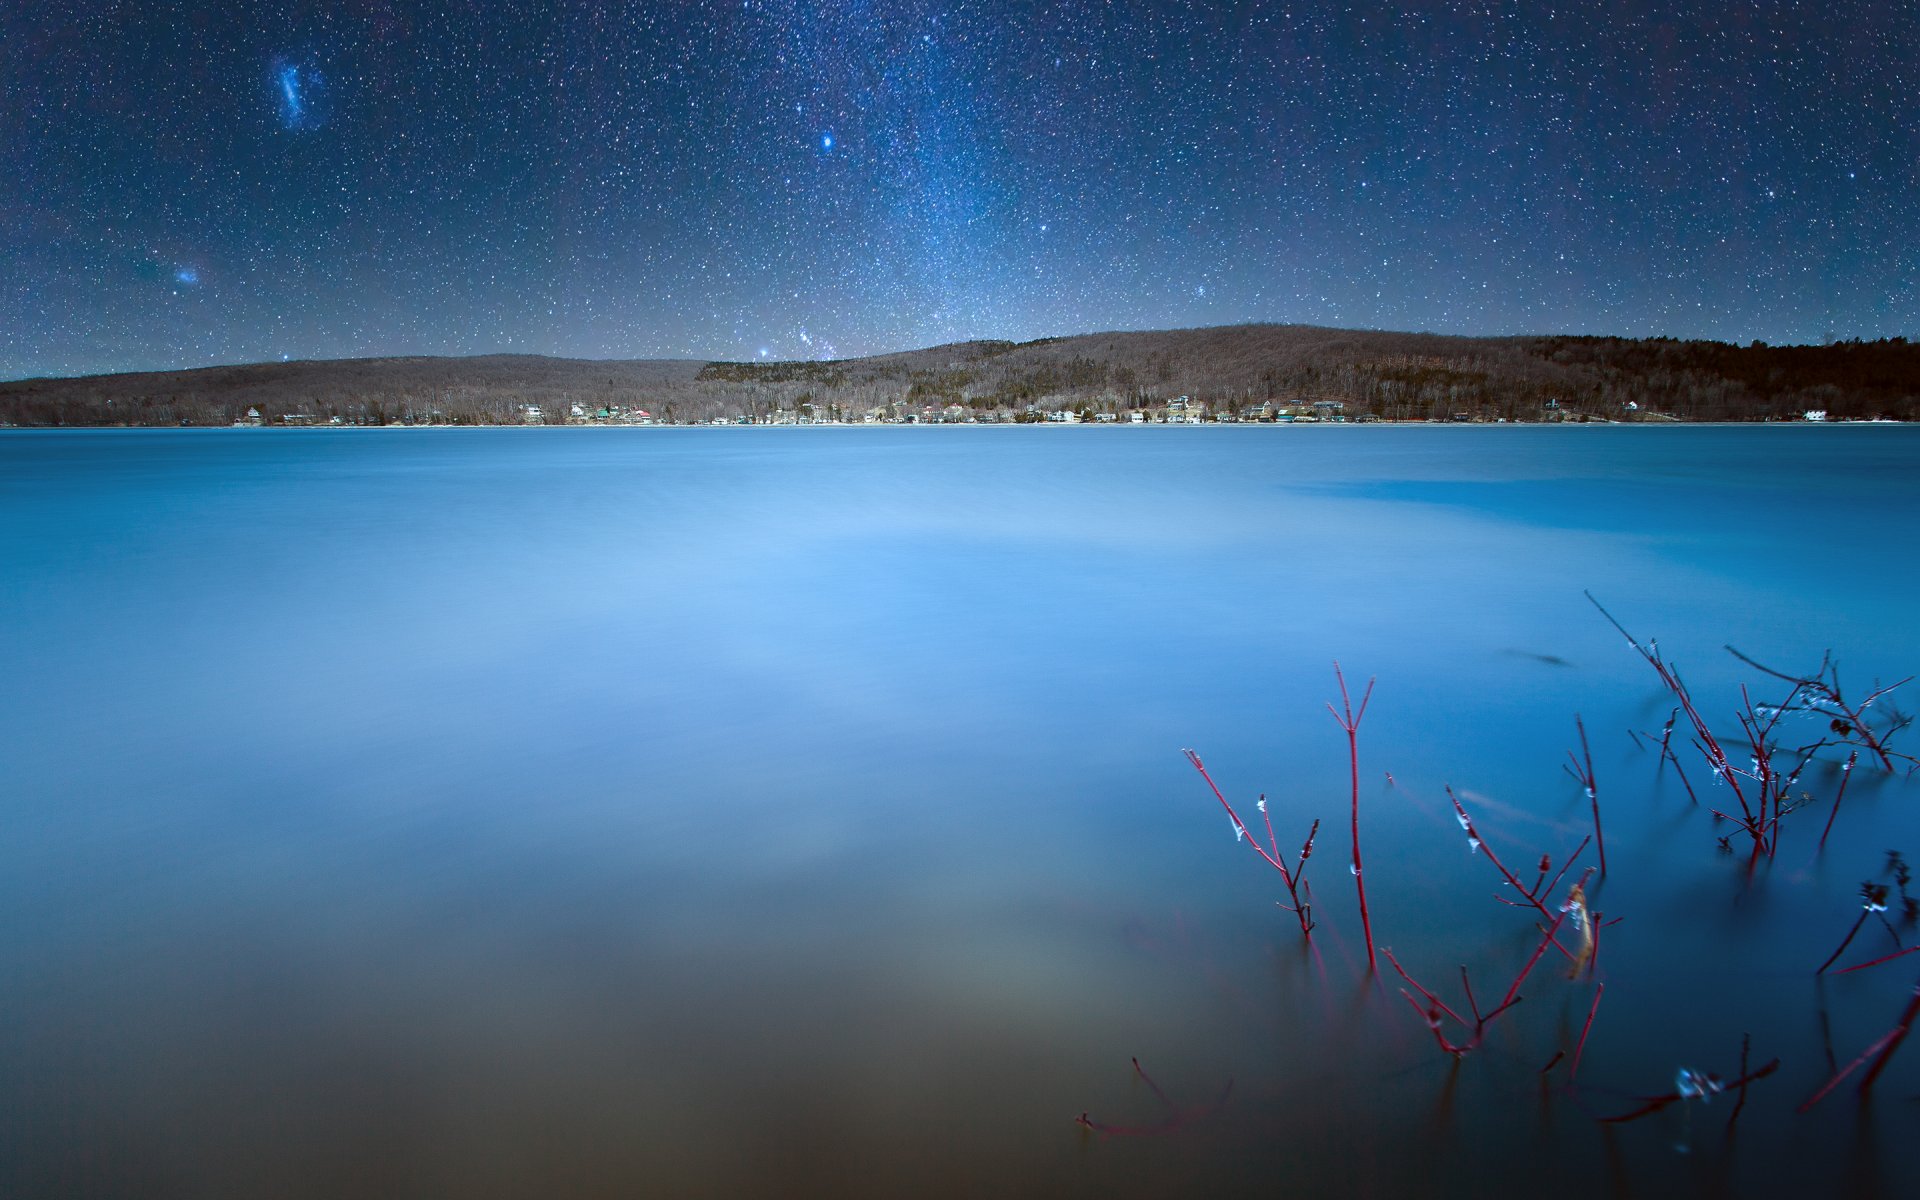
[{"x": 1247, "y": 372}]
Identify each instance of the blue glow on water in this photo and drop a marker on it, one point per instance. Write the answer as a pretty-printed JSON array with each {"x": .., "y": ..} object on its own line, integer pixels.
[{"x": 823, "y": 786}]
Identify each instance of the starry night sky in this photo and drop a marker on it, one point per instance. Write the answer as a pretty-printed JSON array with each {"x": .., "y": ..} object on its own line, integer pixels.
[{"x": 184, "y": 184}]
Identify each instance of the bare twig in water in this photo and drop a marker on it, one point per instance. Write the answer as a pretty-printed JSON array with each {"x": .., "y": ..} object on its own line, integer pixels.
[
  {"x": 1294, "y": 878},
  {"x": 1850, "y": 724},
  {"x": 1582, "y": 771},
  {"x": 1573, "y": 1072},
  {"x": 1846, "y": 773},
  {"x": 1175, "y": 1119},
  {"x": 1350, "y": 722},
  {"x": 1880, "y": 1051},
  {"x": 1885, "y": 958},
  {"x": 1873, "y": 903},
  {"x": 1691, "y": 1085},
  {"x": 1436, "y": 1008},
  {"x": 1761, "y": 791},
  {"x": 1746, "y": 1043},
  {"x": 1533, "y": 896}
]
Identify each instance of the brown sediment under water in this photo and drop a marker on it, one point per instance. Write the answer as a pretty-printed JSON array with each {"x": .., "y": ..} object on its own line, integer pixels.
[{"x": 778, "y": 812}]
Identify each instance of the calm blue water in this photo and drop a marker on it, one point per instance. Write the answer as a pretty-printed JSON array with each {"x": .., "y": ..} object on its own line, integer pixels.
[{"x": 737, "y": 811}]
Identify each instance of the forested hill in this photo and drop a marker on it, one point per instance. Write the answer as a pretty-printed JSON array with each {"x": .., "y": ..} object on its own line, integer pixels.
[{"x": 1237, "y": 370}]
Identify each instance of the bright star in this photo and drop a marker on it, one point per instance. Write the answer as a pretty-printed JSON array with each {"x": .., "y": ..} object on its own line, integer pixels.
[{"x": 826, "y": 142}]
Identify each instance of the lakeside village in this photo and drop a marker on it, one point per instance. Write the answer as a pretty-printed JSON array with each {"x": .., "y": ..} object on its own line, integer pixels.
[{"x": 1179, "y": 410}]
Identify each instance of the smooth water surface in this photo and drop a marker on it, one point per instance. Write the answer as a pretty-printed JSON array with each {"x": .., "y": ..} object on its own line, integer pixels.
[{"x": 801, "y": 811}]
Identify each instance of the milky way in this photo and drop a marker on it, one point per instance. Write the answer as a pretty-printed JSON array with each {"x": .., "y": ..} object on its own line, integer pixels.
[{"x": 781, "y": 179}]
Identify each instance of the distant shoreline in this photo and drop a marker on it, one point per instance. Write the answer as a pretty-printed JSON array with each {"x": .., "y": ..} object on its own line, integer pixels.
[
  {"x": 877, "y": 425},
  {"x": 1252, "y": 373}
]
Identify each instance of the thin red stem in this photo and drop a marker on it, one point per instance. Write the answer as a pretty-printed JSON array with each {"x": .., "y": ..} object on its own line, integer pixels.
[
  {"x": 1175, "y": 1119},
  {"x": 1433, "y": 1001},
  {"x": 1593, "y": 792},
  {"x": 1884, "y": 1048},
  {"x": 1705, "y": 740},
  {"x": 1846, "y": 773},
  {"x": 1303, "y": 912},
  {"x": 1893, "y": 1044},
  {"x": 1148, "y": 1080},
  {"x": 1435, "y": 1006},
  {"x": 1844, "y": 943},
  {"x": 1551, "y": 888},
  {"x": 1513, "y": 990},
  {"x": 1655, "y": 1103},
  {"x": 1681, "y": 771},
  {"x": 1350, "y": 721},
  {"x": 1238, "y": 824},
  {"x": 1479, "y": 843},
  {"x": 1746, "y": 1043},
  {"x": 1573, "y": 1072},
  {"x": 1885, "y": 958},
  {"x": 1432, "y": 1018}
]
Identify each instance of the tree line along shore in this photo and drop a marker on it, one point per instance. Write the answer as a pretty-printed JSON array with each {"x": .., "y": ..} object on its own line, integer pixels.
[{"x": 1236, "y": 373}]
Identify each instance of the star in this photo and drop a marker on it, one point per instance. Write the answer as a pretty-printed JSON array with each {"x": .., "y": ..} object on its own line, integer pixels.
[{"x": 618, "y": 183}]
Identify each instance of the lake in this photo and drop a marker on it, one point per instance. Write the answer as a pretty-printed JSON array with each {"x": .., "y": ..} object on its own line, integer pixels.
[{"x": 718, "y": 812}]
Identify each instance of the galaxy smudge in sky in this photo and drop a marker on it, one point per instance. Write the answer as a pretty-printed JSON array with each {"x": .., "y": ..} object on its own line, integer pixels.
[{"x": 780, "y": 179}]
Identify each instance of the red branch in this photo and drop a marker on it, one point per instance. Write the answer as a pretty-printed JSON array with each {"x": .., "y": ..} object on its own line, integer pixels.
[
  {"x": 1654, "y": 1104},
  {"x": 1884, "y": 1048},
  {"x": 1573, "y": 1072},
  {"x": 1582, "y": 771},
  {"x": 1754, "y": 823},
  {"x": 1844, "y": 942},
  {"x": 1175, "y": 1118},
  {"x": 1436, "y": 1007},
  {"x": 1478, "y": 843},
  {"x": 1885, "y": 958},
  {"x": 1733, "y": 1118},
  {"x": 1292, "y": 878},
  {"x": 1846, "y": 773},
  {"x": 1350, "y": 721},
  {"x": 1823, "y": 686}
]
